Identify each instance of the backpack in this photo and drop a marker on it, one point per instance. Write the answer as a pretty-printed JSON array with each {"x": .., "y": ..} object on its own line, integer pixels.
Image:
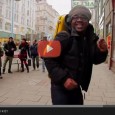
[{"x": 60, "y": 25}]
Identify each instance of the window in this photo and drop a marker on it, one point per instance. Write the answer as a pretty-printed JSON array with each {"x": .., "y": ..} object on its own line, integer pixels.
[
  {"x": 7, "y": 26},
  {"x": 15, "y": 17},
  {"x": 23, "y": 8},
  {"x": 7, "y": 14},
  {"x": 27, "y": 22},
  {"x": 28, "y": 3},
  {"x": 108, "y": 28},
  {"x": 22, "y": 20},
  {"x": 0, "y": 10},
  {"x": 43, "y": 28},
  {"x": 0, "y": 24},
  {"x": 28, "y": 13},
  {"x": 6, "y": 1}
]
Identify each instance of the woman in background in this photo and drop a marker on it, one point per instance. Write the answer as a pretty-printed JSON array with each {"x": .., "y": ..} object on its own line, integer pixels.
[{"x": 24, "y": 52}]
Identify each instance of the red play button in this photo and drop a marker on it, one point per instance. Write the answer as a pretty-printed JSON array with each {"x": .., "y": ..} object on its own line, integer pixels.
[{"x": 49, "y": 48}]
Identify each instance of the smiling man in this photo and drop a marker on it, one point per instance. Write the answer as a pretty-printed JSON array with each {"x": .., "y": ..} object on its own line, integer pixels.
[{"x": 71, "y": 72}]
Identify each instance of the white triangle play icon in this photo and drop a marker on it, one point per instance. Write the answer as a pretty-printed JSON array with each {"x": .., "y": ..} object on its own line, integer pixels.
[{"x": 49, "y": 48}]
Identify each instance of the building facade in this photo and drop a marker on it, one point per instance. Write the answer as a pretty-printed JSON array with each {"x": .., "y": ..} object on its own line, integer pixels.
[
  {"x": 105, "y": 27},
  {"x": 46, "y": 19},
  {"x": 17, "y": 17}
]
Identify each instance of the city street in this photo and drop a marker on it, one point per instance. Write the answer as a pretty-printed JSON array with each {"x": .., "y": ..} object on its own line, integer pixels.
[{"x": 34, "y": 88}]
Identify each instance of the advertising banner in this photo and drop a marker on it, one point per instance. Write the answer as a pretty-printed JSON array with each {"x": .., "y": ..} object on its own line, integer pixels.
[{"x": 87, "y": 3}]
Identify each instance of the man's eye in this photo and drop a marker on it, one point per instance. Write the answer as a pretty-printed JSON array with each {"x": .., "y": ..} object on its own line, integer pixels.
[{"x": 75, "y": 17}]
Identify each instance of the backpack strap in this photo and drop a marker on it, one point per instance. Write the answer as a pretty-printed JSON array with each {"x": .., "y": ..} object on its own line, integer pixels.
[{"x": 66, "y": 41}]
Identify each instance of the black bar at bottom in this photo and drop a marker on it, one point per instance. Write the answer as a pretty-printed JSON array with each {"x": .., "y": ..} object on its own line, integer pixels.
[{"x": 57, "y": 111}]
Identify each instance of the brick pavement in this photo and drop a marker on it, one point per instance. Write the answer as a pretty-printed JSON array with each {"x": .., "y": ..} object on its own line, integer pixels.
[{"x": 34, "y": 88}]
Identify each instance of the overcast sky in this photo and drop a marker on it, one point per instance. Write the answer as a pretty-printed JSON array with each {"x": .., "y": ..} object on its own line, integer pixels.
[{"x": 61, "y": 6}]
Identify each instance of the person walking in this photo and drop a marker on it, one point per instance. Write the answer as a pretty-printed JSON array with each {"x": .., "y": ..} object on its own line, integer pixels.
[
  {"x": 34, "y": 54},
  {"x": 24, "y": 52},
  {"x": 71, "y": 72},
  {"x": 9, "y": 49},
  {"x": 1, "y": 54},
  {"x": 43, "y": 63}
]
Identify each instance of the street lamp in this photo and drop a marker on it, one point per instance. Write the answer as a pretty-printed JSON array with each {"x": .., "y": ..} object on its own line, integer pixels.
[{"x": 12, "y": 23}]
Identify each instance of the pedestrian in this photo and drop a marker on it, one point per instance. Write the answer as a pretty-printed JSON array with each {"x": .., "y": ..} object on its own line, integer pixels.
[
  {"x": 34, "y": 54},
  {"x": 24, "y": 53},
  {"x": 9, "y": 48},
  {"x": 43, "y": 63},
  {"x": 70, "y": 73},
  {"x": 1, "y": 54}
]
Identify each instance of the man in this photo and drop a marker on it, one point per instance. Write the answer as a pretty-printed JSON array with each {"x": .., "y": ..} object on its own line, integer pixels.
[
  {"x": 9, "y": 49},
  {"x": 81, "y": 48},
  {"x": 1, "y": 54},
  {"x": 34, "y": 54},
  {"x": 43, "y": 63}
]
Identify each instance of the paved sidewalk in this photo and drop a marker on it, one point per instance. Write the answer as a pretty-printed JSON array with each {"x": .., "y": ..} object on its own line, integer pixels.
[
  {"x": 34, "y": 88},
  {"x": 102, "y": 87}
]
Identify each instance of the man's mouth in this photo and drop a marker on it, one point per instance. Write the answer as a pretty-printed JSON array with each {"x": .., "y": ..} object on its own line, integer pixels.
[{"x": 79, "y": 26}]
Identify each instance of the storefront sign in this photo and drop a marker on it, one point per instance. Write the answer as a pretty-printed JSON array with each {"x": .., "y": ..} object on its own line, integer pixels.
[
  {"x": 109, "y": 41},
  {"x": 89, "y": 3}
]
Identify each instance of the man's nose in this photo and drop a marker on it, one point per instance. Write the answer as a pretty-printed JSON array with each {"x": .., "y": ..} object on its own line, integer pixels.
[{"x": 79, "y": 19}]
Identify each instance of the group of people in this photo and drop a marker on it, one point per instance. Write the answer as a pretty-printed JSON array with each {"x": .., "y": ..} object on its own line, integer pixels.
[{"x": 25, "y": 51}]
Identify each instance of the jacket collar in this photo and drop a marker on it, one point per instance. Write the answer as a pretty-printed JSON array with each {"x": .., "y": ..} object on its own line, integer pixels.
[{"x": 74, "y": 33}]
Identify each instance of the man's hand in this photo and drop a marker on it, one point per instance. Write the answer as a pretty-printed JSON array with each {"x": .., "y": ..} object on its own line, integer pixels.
[
  {"x": 70, "y": 84},
  {"x": 12, "y": 49},
  {"x": 6, "y": 50},
  {"x": 102, "y": 45}
]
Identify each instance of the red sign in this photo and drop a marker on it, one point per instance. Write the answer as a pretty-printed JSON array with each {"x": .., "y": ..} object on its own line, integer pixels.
[
  {"x": 49, "y": 48},
  {"x": 109, "y": 41}
]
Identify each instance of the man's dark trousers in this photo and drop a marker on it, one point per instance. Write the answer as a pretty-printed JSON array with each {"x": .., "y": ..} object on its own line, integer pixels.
[{"x": 62, "y": 96}]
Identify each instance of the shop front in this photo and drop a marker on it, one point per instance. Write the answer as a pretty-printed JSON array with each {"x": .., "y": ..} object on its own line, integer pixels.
[{"x": 4, "y": 36}]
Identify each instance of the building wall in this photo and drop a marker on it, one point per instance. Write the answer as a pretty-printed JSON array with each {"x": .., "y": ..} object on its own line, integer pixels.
[
  {"x": 113, "y": 39},
  {"x": 105, "y": 18},
  {"x": 46, "y": 18},
  {"x": 24, "y": 18}
]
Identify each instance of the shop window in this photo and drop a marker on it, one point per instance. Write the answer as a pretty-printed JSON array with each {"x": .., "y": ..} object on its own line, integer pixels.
[
  {"x": 0, "y": 10},
  {"x": 108, "y": 29},
  {"x": 0, "y": 24},
  {"x": 7, "y": 26}
]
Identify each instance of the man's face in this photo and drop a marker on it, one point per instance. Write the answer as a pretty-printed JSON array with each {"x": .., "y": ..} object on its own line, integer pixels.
[
  {"x": 79, "y": 23},
  {"x": 34, "y": 42},
  {"x": 10, "y": 40},
  {"x": 23, "y": 41}
]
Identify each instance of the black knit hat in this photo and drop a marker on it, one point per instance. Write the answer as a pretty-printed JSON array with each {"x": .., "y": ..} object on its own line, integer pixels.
[
  {"x": 24, "y": 39},
  {"x": 80, "y": 10},
  {"x": 10, "y": 37}
]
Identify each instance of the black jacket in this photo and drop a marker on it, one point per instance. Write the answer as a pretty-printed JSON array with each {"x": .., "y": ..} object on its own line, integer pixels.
[
  {"x": 78, "y": 54},
  {"x": 33, "y": 50},
  {"x": 8, "y": 48}
]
